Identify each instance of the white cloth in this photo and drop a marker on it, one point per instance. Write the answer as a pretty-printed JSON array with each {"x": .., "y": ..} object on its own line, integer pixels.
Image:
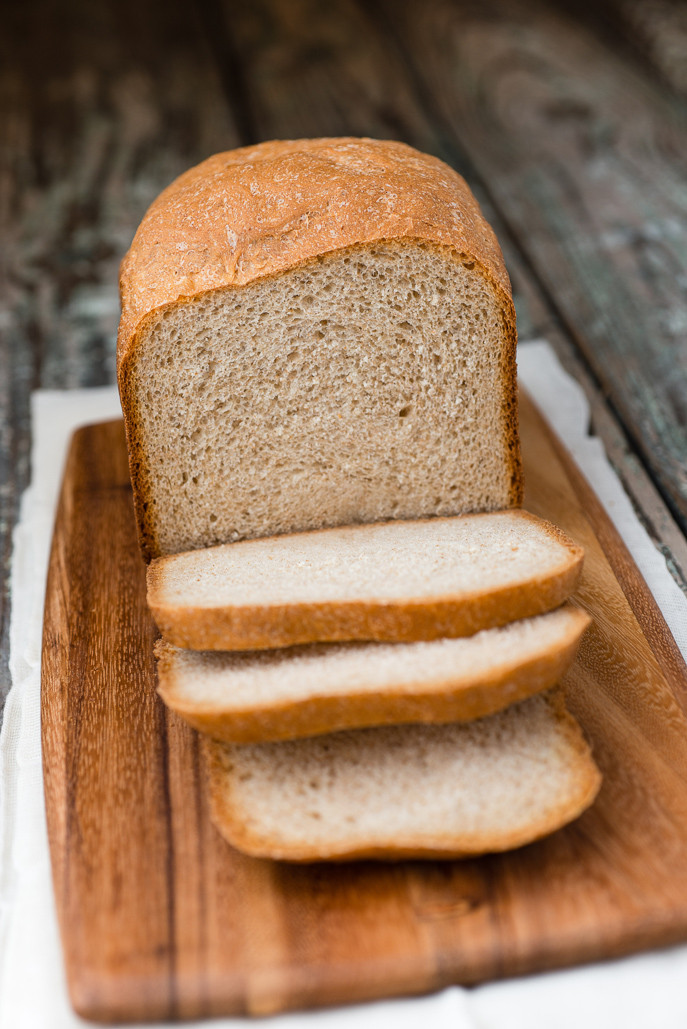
[{"x": 641, "y": 992}]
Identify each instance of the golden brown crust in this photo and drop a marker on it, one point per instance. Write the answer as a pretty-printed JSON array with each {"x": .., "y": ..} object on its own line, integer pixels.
[
  {"x": 262, "y": 627},
  {"x": 236, "y": 828},
  {"x": 249, "y": 213},
  {"x": 287, "y": 625},
  {"x": 435, "y": 701},
  {"x": 256, "y": 212}
]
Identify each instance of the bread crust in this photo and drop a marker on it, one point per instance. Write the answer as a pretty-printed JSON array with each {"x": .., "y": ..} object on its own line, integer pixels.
[
  {"x": 237, "y": 827},
  {"x": 262, "y": 627},
  {"x": 257, "y": 212},
  {"x": 429, "y": 700}
]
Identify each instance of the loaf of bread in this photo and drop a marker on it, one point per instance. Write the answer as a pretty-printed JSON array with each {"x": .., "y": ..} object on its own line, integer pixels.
[
  {"x": 315, "y": 333},
  {"x": 304, "y": 691},
  {"x": 407, "y": 790},
  {"x": 395, "y": 581}
]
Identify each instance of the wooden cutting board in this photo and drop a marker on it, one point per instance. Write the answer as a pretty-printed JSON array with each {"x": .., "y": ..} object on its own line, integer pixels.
[{"x": 161, "y": 919}]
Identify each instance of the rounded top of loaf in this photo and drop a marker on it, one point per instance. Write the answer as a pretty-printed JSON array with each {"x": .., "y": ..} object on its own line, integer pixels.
[{"x": 261, "y": 210}]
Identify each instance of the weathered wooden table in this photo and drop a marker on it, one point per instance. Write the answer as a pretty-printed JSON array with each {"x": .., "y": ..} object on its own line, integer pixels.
[{"x": 569, "y": 121}]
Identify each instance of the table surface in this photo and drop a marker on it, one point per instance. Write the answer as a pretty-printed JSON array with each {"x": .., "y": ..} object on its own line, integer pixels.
[{"x": 569, "y": 120}]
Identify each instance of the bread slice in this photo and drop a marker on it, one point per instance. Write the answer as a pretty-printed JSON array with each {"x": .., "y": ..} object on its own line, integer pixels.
[
  {"x": 303, "y": 691},
  {"x": 406, "y": 791},
  {"x": 393, "y": 581},
  {"x": 315, "y": 333}
]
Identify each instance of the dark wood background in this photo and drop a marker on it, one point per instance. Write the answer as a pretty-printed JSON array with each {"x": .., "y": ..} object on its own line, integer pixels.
[{"x": 568, "y": 119}]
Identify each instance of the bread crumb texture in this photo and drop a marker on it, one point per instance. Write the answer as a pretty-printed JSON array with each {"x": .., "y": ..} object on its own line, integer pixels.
[
  {"x": 469, "y": 788},
  {"x": 388, "y": 561},
  {"x": 248, "y": 680},
  {"x": 308, "y": 338}
]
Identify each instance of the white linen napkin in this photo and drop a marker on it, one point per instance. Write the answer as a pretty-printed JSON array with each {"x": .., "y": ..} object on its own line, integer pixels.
[{"x": 642, "y": 992}]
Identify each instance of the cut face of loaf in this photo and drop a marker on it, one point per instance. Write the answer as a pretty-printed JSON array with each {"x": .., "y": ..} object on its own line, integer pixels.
[
  {"x": 396, "y": 581},
  {"x": 303, "y": 691},
  {"x": 367, "y": 385},
  {"x": 406, "y": 791},
  {"x": 325, "y": 338}
]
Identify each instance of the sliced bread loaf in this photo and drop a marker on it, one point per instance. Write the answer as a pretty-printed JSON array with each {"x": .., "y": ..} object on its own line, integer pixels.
[
  {"x": 406, "y": 791},
  {"x": 397, "y": 581},
  {"x": 314, "y": 333},
  {"x": 319, "y": 688}
]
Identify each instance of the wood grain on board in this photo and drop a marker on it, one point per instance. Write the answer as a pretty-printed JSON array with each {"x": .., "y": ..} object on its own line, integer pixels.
[{"x": 160, "y": 918}]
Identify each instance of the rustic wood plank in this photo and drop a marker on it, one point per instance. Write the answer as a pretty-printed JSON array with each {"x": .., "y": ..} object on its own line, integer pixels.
[
  {"x": 653, "y": 32},
  {"x": 160, "y": 918},
  {"x": 585, "y": 159},
  {"x": 101, "y": 105},
  {"x": 312, "y": 69},
  {"x": 103, "y": 122}
]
